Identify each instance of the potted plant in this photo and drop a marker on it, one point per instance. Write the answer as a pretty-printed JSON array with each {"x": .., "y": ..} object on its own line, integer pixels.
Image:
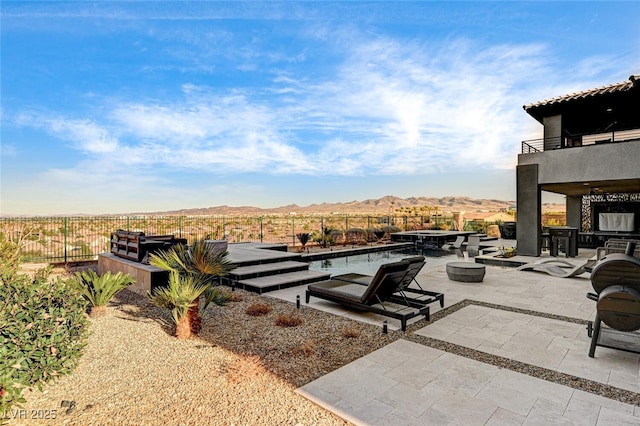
[{"x": 507, "y": 252}]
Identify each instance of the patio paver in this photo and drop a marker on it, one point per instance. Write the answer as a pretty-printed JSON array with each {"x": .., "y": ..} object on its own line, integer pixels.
[{"x": 411, "y": 383}]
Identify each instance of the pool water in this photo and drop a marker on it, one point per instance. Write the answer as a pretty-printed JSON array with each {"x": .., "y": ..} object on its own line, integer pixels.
[{"x": 369, "y": 263}]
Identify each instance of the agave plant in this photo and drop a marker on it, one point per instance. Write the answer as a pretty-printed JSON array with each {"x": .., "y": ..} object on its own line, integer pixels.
[
  {"x": 204, "y": 266},
  {"x": 100, "y": 289}
]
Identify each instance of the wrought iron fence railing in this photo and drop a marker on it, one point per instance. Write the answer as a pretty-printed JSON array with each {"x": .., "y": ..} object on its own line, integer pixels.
[{"x": 69, "y": 239}]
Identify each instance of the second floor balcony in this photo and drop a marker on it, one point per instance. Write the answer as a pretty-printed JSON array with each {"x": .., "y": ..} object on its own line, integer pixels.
[{"x": 546, "y": 144}]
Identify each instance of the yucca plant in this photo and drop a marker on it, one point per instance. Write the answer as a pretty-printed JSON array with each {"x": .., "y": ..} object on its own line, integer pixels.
[
  {"x": 98, "y": 290},
  {"x": 304, "y": 238},
  {"x": 179, "y": 296},
  {"x": 204, "y": 266}
]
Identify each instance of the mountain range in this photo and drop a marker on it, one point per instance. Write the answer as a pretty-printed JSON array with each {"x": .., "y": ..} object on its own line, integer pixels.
[{"x": 386, "y": 204}]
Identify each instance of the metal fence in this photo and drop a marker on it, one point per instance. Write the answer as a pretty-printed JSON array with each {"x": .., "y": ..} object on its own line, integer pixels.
[{"x": 69, "y": 239}]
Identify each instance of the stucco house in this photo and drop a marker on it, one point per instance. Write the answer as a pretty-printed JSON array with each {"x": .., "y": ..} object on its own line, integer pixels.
[{"x": 590, "y": 153}]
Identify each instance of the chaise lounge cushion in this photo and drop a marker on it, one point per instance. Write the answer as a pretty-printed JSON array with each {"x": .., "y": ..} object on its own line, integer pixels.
[
  {"x": 348, "y": 292},
  {"x": 382, "y": 284},
  {"x": 415, "y": 265}
]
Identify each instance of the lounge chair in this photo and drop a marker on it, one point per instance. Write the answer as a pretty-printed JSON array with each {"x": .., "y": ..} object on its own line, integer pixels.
[
  {"x": 558, "y": 267},
  {"x": 456, "y": 245},
  {"x": 473, "y": 245},
  {"x": 615, "y": 245},
  {"x": 416, "y": 263},
  {"x": 377, "y": 297}
]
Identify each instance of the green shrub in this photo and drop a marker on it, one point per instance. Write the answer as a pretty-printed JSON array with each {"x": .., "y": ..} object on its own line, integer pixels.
[
  {"x": 355, "y": 236},
  {"x": 98, "y": 290},
  {"x": 323, "y": 238},
  {"x": 43, "y": 331},
  {"x": 9, "y": 257},
  {"x": 390, "y": 229}
]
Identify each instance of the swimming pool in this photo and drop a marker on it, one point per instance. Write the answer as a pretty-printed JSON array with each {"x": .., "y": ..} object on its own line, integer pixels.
[{"x": 370, "y": 262}]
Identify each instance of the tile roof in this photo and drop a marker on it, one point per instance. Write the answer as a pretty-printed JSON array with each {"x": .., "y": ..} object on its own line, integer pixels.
[{"x": 634, "y": 80}]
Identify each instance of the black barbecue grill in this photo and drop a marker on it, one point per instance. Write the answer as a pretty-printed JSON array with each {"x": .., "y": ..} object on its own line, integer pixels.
[{"x": 616, "y": 282}]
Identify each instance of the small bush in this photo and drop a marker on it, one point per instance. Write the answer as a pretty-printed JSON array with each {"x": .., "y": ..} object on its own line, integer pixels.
[
  {"x": 100, "y": 289},
  {"x": 288, "y": 320},
  {"x": 43, "y": 331},
  {"x": 306, "y": 349},
  {"x": 235, "y": 297},
  {"x": 350, "y": 332},
  {"x": 258, "y": 309}
]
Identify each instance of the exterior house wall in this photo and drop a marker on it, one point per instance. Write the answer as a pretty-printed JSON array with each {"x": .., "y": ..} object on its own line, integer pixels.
[
  {"x": 588, "y": 163},
  {"x": 575, "y": 157},
  {"x": 616, "y": 161}
]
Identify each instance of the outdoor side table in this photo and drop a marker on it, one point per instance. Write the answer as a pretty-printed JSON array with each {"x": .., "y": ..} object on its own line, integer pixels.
[{"x": 467, "y": 272}]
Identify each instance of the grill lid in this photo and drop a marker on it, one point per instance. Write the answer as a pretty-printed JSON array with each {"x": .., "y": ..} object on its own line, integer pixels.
[{"x": 616, "y": 269}]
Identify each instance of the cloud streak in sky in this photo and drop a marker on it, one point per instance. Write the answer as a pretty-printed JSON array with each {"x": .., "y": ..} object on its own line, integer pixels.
[
  {"x": 392, "y": 108},
  {"x": 227, "y": 98}
]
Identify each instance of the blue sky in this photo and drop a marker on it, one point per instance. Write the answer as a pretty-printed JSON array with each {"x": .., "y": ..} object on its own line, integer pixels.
[{"x": 117, "y": 107}]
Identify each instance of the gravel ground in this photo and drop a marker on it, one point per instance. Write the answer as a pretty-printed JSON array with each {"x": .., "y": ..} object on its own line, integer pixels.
[
  {"x": 135, "y": 372},
  {"x": 241, "y": 370}
]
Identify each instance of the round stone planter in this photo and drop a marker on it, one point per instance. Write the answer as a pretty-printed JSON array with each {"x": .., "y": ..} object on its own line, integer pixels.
[{"x": 465, "y": 272}]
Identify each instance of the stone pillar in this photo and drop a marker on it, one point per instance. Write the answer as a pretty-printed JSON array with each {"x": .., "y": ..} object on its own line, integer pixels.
[
  {"x": 458, "y": 220},
  {"x": 574, "y": 212},
  {"x": 529, "y": 210}
]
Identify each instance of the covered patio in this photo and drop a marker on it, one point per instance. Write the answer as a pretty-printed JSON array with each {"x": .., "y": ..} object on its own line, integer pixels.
[{"x": 589, "y": 153}]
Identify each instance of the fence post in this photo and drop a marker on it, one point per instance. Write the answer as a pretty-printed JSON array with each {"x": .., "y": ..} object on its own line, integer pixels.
[
  {"x": 261, "y": 231},
  {"x": 293, "y": 229},
  {"x": 64, "y": 226},
  {"x": 179, "y": 226}
]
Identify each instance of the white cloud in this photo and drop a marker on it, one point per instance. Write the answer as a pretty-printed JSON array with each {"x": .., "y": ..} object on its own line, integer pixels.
[
  {"x": 85, "y": 135},
  {"x": 393, "y": 107}
]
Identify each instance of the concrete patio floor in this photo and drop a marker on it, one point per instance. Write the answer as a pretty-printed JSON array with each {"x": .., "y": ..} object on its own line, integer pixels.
[{"x": 542, "y": 329}]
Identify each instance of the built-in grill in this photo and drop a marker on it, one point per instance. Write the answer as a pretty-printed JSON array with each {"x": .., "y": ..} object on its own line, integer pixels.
[{"x": 616, "y": 282}]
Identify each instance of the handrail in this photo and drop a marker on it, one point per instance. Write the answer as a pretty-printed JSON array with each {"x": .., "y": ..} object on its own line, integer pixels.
[
  {"x": 527, "y": 148},
  {"x": 538, "y": 145}
]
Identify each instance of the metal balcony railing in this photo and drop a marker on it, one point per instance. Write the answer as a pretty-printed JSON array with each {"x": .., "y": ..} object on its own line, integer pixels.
[
  {"x": 532, "y": 145},
  {"x": 538, "y": 145}
]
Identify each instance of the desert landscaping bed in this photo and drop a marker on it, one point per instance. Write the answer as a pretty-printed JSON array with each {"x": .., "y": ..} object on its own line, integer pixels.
[{"x": 242, "y": 369}]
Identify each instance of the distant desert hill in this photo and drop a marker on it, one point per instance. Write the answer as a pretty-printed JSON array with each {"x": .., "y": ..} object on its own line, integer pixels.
[{"x": 386, "y": 204}]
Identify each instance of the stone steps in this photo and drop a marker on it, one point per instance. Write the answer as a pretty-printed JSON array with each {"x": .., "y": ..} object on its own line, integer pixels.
[
  {"x": 265, "y": 269},
  {"x": 282, "y": 280}
]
